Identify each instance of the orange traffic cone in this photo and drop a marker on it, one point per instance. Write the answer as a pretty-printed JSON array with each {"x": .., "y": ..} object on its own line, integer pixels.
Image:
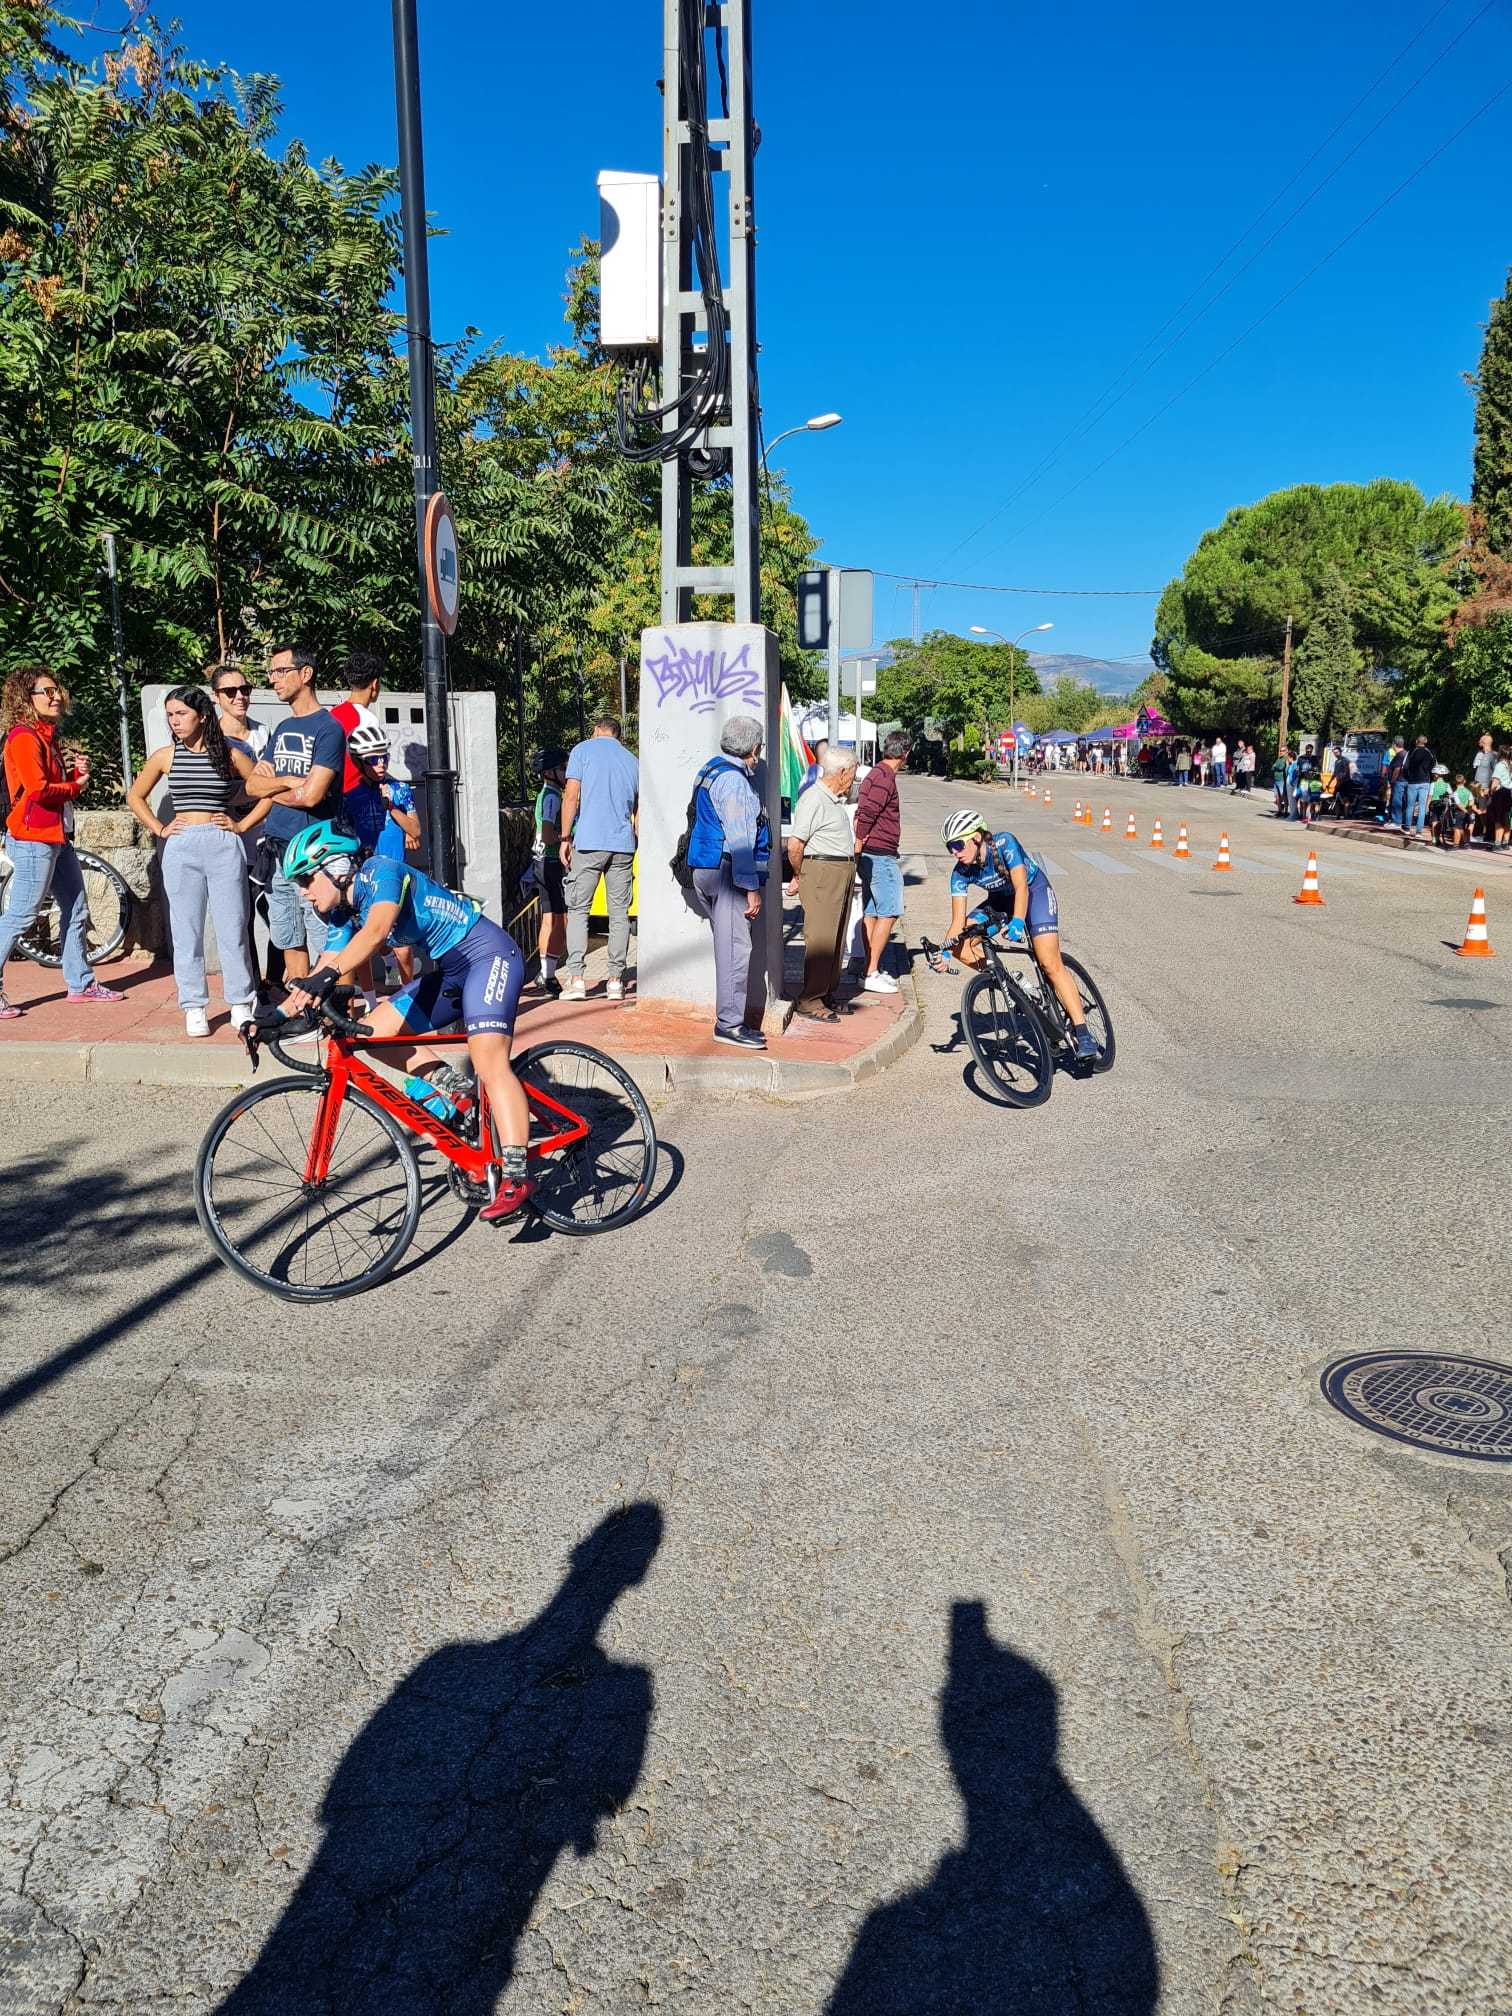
[
  {"x": 1309, "y": 891},
  {"x": 1076, "y": 815},
  {"x": 1129, "y": 833},
  {"x": 1047, "y": 794},
  {"x": 1107, "y": 824},
  {"x": 1156, "y": 838},
  {"x": 1477, "y": 945},
  {"x": 1183, "y": 852},
  {"x": 1223, "y": 863},
  {"x": 1087, "y": 815}
]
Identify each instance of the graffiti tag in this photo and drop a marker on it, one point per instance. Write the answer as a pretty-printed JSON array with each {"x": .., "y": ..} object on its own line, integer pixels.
[{"x": 699, "y": 680}]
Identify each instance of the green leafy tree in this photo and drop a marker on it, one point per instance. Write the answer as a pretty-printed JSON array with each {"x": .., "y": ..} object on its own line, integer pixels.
[
  {"x": 956, "y": 680},
  {"x": 1219, "y": 627},
  {"x": 1331, "y": 689}
]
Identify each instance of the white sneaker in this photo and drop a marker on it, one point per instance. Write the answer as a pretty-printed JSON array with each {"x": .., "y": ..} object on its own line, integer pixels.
[
  {"x": 196, "y": 1022},
  {"x": 879, "y": 983},
  {"x": 575, "y": 989},
  {"x": 615, "y": 990},
  {"x": 241, "y": 1014}
]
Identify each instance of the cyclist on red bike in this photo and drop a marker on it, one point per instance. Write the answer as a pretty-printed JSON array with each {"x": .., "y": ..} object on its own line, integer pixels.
[
  {"x": 1020, "y": 902},
  {"x": 478, "y": 972}
]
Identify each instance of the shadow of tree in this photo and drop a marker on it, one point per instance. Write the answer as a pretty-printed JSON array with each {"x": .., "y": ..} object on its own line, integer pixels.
[
  {"x": 445, "y": 1817},
  {"x": 1034, "y": 1915}
]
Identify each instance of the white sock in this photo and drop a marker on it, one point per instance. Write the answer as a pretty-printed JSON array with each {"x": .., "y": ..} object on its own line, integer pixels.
[{"x": 548, "y": 966}]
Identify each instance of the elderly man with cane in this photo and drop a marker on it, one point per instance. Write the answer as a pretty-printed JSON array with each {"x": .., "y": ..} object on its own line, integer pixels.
[{"x": 821, "y": 856}]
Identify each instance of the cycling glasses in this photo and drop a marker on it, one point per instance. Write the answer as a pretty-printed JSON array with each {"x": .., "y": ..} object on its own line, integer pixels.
[{"x": 955, "y": 847}]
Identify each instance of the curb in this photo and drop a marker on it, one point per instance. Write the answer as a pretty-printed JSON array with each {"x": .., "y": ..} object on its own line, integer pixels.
[{"x": 654, "y": 1072}]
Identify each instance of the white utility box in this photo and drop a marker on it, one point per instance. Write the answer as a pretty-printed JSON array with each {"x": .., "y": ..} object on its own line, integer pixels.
[{"x": 629, "y": 260}]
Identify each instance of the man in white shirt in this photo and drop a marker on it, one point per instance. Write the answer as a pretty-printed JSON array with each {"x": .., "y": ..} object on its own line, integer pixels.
[
  {"x": 1220, "y": 762},
  {"x": 821, "y": 858}
]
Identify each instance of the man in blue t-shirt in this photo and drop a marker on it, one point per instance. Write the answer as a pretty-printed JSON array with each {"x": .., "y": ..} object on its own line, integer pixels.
[
  {"x": 600, "y": 812},
  {"x": 301, "y": 772}
]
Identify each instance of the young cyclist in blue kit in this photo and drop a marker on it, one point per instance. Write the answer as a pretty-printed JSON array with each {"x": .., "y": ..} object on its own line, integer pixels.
[{"x": 477, "y": 978}]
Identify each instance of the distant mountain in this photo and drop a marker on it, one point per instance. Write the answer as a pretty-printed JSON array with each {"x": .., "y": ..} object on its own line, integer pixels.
[{"x": 1105, "y": 674}]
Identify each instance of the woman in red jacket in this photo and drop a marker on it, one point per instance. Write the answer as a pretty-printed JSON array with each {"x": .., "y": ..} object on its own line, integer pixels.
[{"x": 41, "y": 787}]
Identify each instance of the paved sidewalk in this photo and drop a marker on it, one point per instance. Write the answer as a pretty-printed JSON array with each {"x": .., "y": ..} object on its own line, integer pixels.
[{"x": 141, "y": 1040}]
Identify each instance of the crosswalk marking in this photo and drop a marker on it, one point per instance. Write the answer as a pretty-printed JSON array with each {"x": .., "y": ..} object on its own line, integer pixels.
[
  {"x": 1105, "y": 862},
  {"x": 1326, "y": 865}
]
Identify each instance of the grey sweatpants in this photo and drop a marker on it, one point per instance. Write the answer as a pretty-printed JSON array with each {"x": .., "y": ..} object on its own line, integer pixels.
[
  {"x": 724, "y": 906},
  {"x": 205, "y": 868},
  {"x": 581, "y": 883}
]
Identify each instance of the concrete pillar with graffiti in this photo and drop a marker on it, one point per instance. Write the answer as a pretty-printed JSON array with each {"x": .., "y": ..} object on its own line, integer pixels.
[{"x": 694, "y": 677}]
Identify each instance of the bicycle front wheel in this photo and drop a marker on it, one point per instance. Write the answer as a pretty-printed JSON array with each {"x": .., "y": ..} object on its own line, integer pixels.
[
  {"x": 1099, "y": 1021},
  {"x": 107, "y": 904},
  {"x": 1007, "y": 1039},
  {"x": 307, "y": 1242},
  {"x": 601, "y": 1180}
]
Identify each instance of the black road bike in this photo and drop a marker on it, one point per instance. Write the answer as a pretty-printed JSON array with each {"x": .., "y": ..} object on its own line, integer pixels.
[{"x": 1015, "y": 1025}]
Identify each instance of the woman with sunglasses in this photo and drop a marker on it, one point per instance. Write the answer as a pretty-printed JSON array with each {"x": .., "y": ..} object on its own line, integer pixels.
[
  {"x": 233, "y": 696},
  {"x": 204, "y": 868},
  {"x": 42, "y": 784}
]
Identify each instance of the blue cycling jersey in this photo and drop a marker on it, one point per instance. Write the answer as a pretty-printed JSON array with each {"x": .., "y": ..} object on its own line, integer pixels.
[
  {"x": 992, "y": 872},
  {"x": 430, "y": 916}
]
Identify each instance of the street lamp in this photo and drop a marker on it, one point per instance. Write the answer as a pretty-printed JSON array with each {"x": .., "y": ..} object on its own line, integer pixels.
[
  {"x": 977, "y": 630},
  {"x": 817, "y": 425}
]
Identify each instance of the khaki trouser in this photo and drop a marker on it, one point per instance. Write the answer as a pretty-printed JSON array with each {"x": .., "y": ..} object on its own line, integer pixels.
[{"x": 824, "y": 888}]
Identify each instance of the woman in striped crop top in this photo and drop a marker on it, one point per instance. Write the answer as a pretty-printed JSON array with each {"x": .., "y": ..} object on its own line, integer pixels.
[{"x": 204, "y": 865}]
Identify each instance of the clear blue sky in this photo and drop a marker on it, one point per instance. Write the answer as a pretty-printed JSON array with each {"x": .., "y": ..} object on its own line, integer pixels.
[{"x": 972, "y": 219}]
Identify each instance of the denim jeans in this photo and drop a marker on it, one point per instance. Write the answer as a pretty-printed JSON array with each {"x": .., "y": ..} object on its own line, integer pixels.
[
  {"x": 1220, "y": 776},
  {"x": 40, "y": 868},
  {"x": 1416, "y": 810},
  {"x": 1398, "y": 801}
]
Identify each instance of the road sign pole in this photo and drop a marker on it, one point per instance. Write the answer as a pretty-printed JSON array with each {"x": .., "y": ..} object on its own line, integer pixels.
[
  {"x": 440, "y": 778},
  {"x": 833, "y": 586}
]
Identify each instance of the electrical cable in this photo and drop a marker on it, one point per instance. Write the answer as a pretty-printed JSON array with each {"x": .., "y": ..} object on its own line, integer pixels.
[
  {"x": 996, "y": 588},
  {"x": 1098, "y": 411},
  {"x": 1279, "y": 302},
  {"x": 643, "y": 431}
]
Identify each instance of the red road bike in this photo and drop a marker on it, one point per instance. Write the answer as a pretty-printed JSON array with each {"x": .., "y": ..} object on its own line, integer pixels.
[{"x": 310, "y": 1186}]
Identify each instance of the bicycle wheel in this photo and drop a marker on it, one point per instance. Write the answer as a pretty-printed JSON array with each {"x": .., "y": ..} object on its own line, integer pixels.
[
  {"x": 602, "y": 1180},
  {"x": 1099, "y": 1021},
  {"x": 108, "y": 903},
  {"x": 1007, "y": 1039},
  {"x": 306, "y": 1242}
]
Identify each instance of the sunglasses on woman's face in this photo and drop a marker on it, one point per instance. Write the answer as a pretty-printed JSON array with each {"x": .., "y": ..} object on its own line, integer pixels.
[
  {"x": 46, "y": 693},
  {"x": 956, "y": 847},
  {"x": 234, "y": 692}
]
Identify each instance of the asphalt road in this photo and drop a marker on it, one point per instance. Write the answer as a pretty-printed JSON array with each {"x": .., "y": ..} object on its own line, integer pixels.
[{"x": 912, "y": 1570}]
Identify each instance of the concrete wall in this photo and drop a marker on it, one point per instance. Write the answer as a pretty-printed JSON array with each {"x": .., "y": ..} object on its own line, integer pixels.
[{"x": 694, "y": 677}]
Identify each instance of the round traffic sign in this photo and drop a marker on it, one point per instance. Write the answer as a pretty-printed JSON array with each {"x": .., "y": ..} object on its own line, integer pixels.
[{"x": 443, "y": 577}]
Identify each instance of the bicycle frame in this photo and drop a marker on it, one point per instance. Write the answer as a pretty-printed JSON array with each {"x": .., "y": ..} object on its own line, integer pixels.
[{"x": 346, "y": 1071}]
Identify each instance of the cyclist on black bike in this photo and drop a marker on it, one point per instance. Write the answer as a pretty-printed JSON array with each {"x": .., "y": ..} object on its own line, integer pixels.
[
  {"x": 1017, "y": 890},
  {"x": 377, "y": 901}
]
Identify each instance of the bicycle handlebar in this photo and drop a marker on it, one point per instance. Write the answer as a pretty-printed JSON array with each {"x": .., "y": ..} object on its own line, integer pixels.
[{"x": 267, "y": 1029}]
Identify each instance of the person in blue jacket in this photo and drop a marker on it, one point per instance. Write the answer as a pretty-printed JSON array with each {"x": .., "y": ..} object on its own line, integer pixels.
[{"x": 729, "y": 852}]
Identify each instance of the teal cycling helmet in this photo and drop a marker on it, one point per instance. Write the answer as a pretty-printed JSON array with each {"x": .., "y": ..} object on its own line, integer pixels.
[{"x": 319, "y": 846}]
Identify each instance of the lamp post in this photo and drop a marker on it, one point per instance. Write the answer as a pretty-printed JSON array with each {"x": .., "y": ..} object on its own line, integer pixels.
[
  {"x": 818, "y": 425},
  {"x": 978, "y": 630}
]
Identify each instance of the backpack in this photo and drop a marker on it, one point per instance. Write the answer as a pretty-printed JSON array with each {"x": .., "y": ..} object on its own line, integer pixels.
[{"x": 682, "y": 874}]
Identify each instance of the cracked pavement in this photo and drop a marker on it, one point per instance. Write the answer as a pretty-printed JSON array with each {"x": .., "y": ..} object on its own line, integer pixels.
[{"x": 911, "y": 1570}]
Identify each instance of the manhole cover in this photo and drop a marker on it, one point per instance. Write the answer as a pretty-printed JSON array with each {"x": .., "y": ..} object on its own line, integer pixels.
[{"x": 1458, "y": 1406}]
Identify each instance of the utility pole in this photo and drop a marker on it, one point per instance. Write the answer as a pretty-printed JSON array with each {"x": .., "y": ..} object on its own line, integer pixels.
[
  {"x": 118, "y": 656},
  {"x": 1285, "y": 687},
  {"x": 725, "y": 139},
  {"x": 440, "y": 802}
]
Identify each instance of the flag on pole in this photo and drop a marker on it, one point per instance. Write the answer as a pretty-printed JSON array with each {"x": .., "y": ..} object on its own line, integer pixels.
[{"x": 795, "y": 754}]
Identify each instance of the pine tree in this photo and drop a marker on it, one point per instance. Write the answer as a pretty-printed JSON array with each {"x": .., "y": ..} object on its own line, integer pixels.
[
  {"x": 1491, "y": 485},
  {"x": 1329, "y": 684}
]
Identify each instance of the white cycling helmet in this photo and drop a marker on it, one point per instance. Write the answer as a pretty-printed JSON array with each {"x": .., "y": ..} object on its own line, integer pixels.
[
  {"x": 368, "y": 739},
  {"x": 961, "y": 826}
]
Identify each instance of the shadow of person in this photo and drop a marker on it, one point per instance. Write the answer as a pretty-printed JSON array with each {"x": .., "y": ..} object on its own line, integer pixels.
[
  {"x": 1034, "y": 1915},
  {"x": 447, "y": 1813}
]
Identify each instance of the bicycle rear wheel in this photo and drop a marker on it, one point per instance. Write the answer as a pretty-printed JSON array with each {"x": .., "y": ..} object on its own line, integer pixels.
[
  {"x": 1007, "y": 1039},
  {"x": 107, "y": 900},
  {"x": 602, "y": 1180},
  {"x": 1099, "y": 1021},
  {"x": 306, "y": 1242}
]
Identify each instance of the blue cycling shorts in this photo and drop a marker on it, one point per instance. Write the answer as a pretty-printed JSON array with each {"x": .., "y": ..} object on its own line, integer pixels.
[
  {"x": 1043, "y": 916},
  {"x": 477, "y": 982}
]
